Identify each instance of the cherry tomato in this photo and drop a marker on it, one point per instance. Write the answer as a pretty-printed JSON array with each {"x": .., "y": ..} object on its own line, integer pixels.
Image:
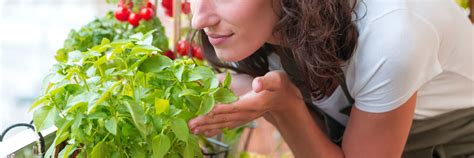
[
  {"x": 186, "y": 7},
  {"x": 146, "y": 13},
  {"x": 168, "y": 7},
  {"x": 170, "y": 54},
  {"x": 134, "y": 19},
  {"x": 183, "y": 47},
  {"x": 167, "y": 4},
  {"x": 197, "y": 53},
  {"x": 122, "y": 13},
  {"x": 150, "y": 5}
]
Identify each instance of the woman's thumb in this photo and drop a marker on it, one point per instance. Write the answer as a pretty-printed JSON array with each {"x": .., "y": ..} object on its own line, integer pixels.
[{"x": 271, "y": 81}]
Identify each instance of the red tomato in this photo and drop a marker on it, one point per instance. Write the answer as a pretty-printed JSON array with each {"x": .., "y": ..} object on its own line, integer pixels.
[
  {"x": 168, "y": 7},
  {"x": 122, "y": 13},
  {"x": 169, "y": 13},
  {"x": 183, "y": 47},
  {"x": 150, "y": 5},
  {"x": 197, "y": 53},
  {"x": 134, "y": 19},
  {"x": 146, "y": 13},
  {"x": 186, "y": 7},
  {"x": 167, "y": 4},
  {"x": 170, "y": 54}
]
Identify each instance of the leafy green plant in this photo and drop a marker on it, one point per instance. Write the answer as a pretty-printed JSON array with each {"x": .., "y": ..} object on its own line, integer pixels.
[{"x": 123, "y": 98}]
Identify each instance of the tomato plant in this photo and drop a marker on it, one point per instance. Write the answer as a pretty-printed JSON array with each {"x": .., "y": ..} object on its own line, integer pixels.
[{"x": 107, "y": 27}]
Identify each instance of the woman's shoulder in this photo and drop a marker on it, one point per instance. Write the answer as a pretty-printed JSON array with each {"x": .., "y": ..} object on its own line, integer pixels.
[
  {"x": 436, "y": 12},
  {"x": 413, "y": 31}
]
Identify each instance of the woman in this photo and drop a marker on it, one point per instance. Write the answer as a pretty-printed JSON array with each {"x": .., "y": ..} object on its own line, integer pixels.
[{"x": 313, "y": 68}]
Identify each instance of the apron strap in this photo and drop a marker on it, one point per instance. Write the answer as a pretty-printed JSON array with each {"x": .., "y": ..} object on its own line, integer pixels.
[{"x": 343, "y": 84}]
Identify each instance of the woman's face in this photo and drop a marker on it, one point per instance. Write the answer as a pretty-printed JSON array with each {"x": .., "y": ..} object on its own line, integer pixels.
[{"x": 236, "y": 28}]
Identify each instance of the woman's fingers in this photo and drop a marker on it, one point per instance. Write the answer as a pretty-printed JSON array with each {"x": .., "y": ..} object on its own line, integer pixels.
[
  {"x": 220, "y": 118},
  {"x": 224, "y": 109},
  {"x": 209, "y": 127}
]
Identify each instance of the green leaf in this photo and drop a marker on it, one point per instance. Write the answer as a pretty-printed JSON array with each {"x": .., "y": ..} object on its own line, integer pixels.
[
  {"x": 137, "y": 36},
  {"x": 91, "y": 71},
  {"x": 188, "y": 151},
  {"x": 97, "y": 115},
  {"x": 74, "y": 56},
  {"x": 155, "y": 64},
  {"x": 138, "y": 152},
  {"x": 225, "y": 96},
  {"x": 100, "y": 150},
  {"x": 38, "y": 102},
  {"x": 144, "y": 49},
  {"x": 104, "y": 41},
  {"x": 111, "y": 125},
  {"x": 63, "y": 136},
  {"x": 193, "y": 147},
  {"x": 227, "y": 80},
  {"x": 77, "y": 120},
  {"x": 44, "y": 117},
  {"x": 188, "y": 92},
  {"x": 161, "y": 145},
  {"x": 104, "y": 97},
  {"x": 214, "y": 83},
  {"x": 77, "y": 101},
  {"x": 179, "y": 72},
  {"x": 137, "y": 115},
  {"x": 201, "y": 73},
  {"x": 180, "y": 129},
  {"x": 161, "y": 105},
  {"x": 57, "y": 78},
  {"x": 146, "y": 40},
  {"x": 73, "y": 89},
  {"x": 69, "y": 149},
  {"x": 61, "y": 56},
  {"x": 206, "y": 106}
]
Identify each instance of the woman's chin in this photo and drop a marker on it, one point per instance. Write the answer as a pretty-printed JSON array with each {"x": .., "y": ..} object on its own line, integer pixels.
[{"x": 228, "y": 56}]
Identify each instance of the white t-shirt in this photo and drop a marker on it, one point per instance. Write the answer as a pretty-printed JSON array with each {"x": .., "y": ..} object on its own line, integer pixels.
[{"x": 407, "y": 46}]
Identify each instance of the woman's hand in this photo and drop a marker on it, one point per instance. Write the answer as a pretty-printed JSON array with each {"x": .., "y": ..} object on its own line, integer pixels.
[{"x": 272, "y": 92}]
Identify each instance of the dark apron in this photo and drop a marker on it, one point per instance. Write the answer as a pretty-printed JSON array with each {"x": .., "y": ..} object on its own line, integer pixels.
[{"x": 450, "y": 135}]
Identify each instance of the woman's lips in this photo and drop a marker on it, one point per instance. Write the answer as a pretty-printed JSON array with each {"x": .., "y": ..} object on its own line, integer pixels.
[{"x": 217, "y": 39}]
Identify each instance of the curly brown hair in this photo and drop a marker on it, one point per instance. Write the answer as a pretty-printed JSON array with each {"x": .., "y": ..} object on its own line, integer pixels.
[{"x": 318, "y": 34}]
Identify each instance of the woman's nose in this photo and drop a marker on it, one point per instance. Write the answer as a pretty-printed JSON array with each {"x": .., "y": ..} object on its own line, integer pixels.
[{"x": 203, "y": 14}]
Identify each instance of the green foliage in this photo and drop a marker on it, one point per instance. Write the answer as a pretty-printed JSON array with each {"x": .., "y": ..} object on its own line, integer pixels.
[
  {"x": 108, "y": 27},
  {"x": 122, "y": 98}
]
